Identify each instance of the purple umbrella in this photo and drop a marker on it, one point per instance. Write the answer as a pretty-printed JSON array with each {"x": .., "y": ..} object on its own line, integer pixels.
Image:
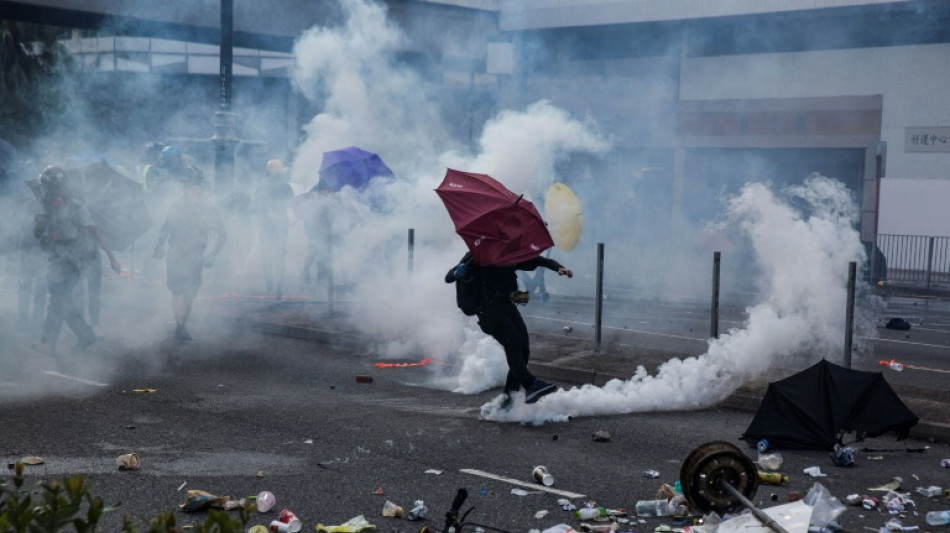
[{"x": 352, "y": 166}]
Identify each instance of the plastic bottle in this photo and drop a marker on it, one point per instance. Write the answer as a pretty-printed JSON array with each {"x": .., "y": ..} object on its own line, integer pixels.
[
  {"x": 772, "y": 478},
  {"x": 771, "y": 461},
  {"x": 653, "y": 508},
  {"x": 938, "y": 518},
  {"x": 265, "y": 501},
  {"x": 589, "y": 513}
]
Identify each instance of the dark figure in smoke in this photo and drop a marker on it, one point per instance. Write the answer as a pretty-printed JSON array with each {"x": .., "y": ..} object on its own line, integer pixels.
[
  {"x": 498, "y": 316},
  {"x": 313, "y": 209},
  {"x": 191, "y": 219},
  {"x": 31, "y": 277},
  {"x": 65, "y": 230},
  {"x": 89, "y": 290},
  {"x": 270, "y": 204}
]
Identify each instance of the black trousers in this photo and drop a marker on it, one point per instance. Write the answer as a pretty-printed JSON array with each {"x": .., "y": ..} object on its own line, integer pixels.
[
  {"x": 503, "y": 322},
  {"x": 62, "y": 277}
]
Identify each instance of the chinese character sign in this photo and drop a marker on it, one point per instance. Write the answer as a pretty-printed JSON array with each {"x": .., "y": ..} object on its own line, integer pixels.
[{"x": 932, "y": 139}]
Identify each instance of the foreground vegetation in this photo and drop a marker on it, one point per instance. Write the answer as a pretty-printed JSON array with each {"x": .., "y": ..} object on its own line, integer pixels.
[{"x": 68, "y": 506}]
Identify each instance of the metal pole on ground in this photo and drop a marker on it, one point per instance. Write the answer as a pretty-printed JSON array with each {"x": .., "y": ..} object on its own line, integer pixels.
[
  {"x": 714, "y": 307},
  {"x": 599, "y": 306},
  {"x": 412, "y": 244},
  {"x": 849, "y": 320}
]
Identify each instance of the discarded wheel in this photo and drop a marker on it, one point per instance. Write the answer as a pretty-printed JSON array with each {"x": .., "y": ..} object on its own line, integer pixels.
[{"x": 707, "y": 470}]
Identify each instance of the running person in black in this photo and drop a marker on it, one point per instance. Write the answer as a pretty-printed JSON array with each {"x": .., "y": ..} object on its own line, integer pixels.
[{"x": 499, "y": 317}]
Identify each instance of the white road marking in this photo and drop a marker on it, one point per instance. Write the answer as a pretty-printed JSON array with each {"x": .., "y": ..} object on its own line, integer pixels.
[
  {"x": 74, "y": 378},
  {"x": 533, "y": 486}
]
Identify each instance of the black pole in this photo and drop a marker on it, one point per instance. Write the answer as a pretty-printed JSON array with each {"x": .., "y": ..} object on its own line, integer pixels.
[
  {"x": 330, "y": 266},
  {"x": 849, "y": 320},
  {"x": 412, "y": 244},
  {"x": 224, "y": 137},
  {"x": 714, "y": 311},
  {"x": 599, "y": 306}
]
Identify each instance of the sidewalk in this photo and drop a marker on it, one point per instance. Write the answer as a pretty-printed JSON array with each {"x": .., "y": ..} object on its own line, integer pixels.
[{"x": 560, "y": 358}]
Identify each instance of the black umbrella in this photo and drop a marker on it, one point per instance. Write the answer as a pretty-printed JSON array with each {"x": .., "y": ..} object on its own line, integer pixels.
[
  {"x": 812, "y": 409},
  {"x": 117, "y": 203}
]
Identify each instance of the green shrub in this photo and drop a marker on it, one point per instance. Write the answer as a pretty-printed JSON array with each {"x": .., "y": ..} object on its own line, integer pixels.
[{"x": 68, "y": 506}]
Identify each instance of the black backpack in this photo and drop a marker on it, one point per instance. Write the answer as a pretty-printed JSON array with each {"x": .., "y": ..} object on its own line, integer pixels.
[{"x": 470, "y": 292}]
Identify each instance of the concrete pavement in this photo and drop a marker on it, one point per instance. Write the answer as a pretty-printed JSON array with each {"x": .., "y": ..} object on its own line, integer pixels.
[{"x": 556, "y": 355}]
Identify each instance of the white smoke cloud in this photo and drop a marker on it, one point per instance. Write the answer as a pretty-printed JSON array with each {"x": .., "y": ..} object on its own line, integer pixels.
[
  {"x": 801, "y": 314},
  {"x": 370, "y": 101}
]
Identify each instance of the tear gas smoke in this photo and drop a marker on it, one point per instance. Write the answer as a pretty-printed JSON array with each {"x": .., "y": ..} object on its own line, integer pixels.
[{"x": 800, "y": 315}]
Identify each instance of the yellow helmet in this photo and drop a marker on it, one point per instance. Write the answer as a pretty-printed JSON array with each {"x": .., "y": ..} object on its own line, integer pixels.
[{"x": 275, "y": 166}]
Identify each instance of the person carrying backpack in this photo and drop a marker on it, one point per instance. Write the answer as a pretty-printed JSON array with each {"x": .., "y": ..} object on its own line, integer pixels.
[{"x": 491, "y": 294}]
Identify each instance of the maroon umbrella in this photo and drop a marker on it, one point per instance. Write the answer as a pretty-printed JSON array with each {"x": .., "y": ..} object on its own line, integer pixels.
[{"x": 499, "y": 227}]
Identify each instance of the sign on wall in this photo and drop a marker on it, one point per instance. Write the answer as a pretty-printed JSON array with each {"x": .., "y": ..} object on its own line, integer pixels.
[{"x": 932, "y": 139}]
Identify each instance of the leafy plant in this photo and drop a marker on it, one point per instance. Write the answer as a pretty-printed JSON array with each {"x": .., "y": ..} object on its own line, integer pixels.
[{"x": 68, "y": 505}]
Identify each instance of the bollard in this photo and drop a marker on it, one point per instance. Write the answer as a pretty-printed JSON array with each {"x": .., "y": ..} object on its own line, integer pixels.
[
  {"x": 412, "y": 244},
  {"x": 714, "y": 308},
  {"x": 330, "y": 267},
  {"x": 930, "y": 260},
  {"x": 849, "y": 320},
  {"x": 599, "y": 304}
]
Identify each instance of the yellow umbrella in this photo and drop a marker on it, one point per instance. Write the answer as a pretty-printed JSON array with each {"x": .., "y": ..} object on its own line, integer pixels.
[{"x": 562, "y": 210}]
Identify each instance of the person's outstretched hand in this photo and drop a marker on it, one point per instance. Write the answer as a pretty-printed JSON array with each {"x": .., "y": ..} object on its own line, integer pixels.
[{"x": 565, "y": 272}]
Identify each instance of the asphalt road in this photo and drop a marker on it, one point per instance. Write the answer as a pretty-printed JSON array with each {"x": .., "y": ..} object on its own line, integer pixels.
[{"x": 237, "y": 412}]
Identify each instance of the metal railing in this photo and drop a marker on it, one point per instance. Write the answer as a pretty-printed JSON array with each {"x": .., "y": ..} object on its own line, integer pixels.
[{"x": 914, "y": 258}]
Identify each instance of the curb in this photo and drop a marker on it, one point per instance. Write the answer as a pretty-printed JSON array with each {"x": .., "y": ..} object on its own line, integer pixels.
[{"x": 741, "y": 400}]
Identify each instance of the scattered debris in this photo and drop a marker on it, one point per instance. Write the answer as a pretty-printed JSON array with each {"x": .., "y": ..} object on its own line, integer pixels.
[
  {"x": 433, "y": 471},
  {"x": 265, "y": 501},
  {"x": 363, "y": 378},
  {"x": 182, "y": 485},
  {"x": 601, "y": 436},
  {"x": 418, "y": 511},
  {"x": 542, "y": 476},
  {"x": 260, "y": 474},
  {"x": 897, "y": 323},
  {"x": 32, "y": 460},
  {"x": 128, "y": 461},
  {"x": 392, "y": 510},
  {"x": 353, "y": 525},
  {"x": 197, "y": 500},
  {"x": 814, "y": 471},
  {"x": 379, "y": 491},
  {"x": 893, "y": 485},
  {"x": 652, "y": 474},
  {"x": 541, "y": 514},
  {"x": 146, "y": 390}
]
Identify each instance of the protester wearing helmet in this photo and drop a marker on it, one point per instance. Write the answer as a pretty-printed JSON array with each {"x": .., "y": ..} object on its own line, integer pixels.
[
  {"x": 191, "y": 220},
  {"x": 270, "y": 204},
  {"x": 66, "y": 231}
]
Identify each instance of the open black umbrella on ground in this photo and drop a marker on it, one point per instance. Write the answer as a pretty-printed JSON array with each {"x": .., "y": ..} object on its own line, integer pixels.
[{"x": 812, "y": 409}]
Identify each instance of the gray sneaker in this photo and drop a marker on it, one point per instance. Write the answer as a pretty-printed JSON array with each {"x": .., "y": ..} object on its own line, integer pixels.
[{"x": 538, "y": 389}]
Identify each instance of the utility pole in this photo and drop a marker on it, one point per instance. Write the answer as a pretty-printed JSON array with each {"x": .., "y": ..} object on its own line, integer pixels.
[{"x": 225, "y": 136}]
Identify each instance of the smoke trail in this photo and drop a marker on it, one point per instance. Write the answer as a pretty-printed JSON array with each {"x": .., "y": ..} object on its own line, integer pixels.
[
  {"x": 803, "y": 258},
  {"x": 368, "y": 99}
]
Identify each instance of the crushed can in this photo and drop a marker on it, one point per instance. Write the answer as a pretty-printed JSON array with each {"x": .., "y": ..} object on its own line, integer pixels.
[{"x": 869, "y": 503}]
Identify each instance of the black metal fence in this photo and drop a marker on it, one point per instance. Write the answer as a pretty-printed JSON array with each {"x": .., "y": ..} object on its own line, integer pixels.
[{"x": 914, "y": 258}]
